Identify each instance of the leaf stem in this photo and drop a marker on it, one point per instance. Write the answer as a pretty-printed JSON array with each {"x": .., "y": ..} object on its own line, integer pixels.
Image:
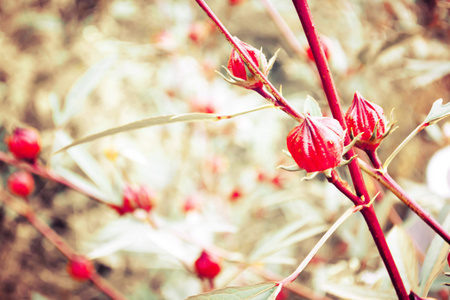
[
  {"x": 280, "y": 101},
  {"x": 368, "y": 213},
  {"x": 400, "y": 147},
  {"x": 386, "y": 180},
  {"x": 319, "y": 244}
]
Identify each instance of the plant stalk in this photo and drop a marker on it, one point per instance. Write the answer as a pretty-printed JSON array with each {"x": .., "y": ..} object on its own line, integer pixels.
[
  {"x": 368, "y": 213},
  {"x": 279, "y": 99},
  {"x": 385, "y": 179}
]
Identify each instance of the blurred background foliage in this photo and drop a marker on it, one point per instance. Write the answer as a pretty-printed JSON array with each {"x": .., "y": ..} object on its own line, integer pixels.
[{"x": 73, "y": 68}]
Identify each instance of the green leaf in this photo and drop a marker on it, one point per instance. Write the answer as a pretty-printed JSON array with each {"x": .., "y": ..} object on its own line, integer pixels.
[
  {"x": 88, "y": 165},
  {"x": 160, "y": 120},
  {"x": 404, "y": 254},
  {"x": 84, "y": 86},
  {"x": 262, "y": 291},
  {"x": 354, "y": 292},
  {"x": 434, "y": 260},
  {"x": 438, "y": 112},
  {"x": 312, "y": 107}
]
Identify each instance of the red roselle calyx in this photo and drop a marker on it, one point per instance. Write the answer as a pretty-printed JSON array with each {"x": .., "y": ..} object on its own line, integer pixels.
[
  {"x": 24, "y": 143},
  {"x": 317, "y": 144},
  {"x": 80, "y": 268},
  {"x": 239, "y": 74},
  {"x": 21, "y": 183},
  {"x": 367, "y": 118},
  {"x": 207, "y": 266},
  {"x": 135, "y": 197}
]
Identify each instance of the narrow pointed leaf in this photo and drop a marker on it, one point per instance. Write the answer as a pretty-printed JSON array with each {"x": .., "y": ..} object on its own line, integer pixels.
[
  {"x": 160, "y": 120},
  {"x": 438, "y": 112},
  {"x": 434, "y": 261},
  {"x": 84, "y": 86},
  {"x": 262, "y": 291}
]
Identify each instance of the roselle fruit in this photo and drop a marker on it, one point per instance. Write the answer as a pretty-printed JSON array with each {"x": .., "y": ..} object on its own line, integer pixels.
[
  {"x": 207, "y": 266},
  {"x": 80, "y": 268},
  {"x": 238, "y": 69},
  {"x": 21, "y": 183},
  {"x": 24, "y": 143},
  {"x": 317, "y": 144},
  {"x": 367, "y": 118}
]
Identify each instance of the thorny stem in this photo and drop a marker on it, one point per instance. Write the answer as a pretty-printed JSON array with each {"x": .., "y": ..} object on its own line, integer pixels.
[
  {"x": 279, "y": 100},
  {"x": 26, "y": 211},
  {"x": 386, "y": 180},
  {"x": 368, "y": 213},
  {"x": 46, "y": 173}
]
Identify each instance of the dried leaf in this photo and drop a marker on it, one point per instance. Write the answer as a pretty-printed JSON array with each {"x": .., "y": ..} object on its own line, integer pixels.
[{"x": 262, "y": 291}]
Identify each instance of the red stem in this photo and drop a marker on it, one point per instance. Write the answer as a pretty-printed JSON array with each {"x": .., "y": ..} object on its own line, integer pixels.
[
  {"x": 343, "y": 187},
  {"x": 279, "y": 100},
  {"x": 386, "y": 180},
  {"x": 43, "y": 172},
  {"x": 370, "y": 217},
  {"x": 48, "y": 233}
]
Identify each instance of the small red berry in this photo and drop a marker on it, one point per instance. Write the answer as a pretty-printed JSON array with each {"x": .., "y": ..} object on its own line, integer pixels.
[
  {"x": 326, "y": 46},
  {"x": 24, "y": 143},
  {"x": 238, "y": 69},
  {"x": 21, "y": 183},
  {"x": 235, "y": 194},
  {"x": 317, "y": 144},
  {"x": 207, "y": 266},
  {"x": 80, "y": 268},
  {"x": 367, "y": 118}
]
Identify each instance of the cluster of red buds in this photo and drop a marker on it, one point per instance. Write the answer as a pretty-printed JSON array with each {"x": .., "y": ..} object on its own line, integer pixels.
[
  {"x": 239, "y": 74},
  {"x": 207, "y": 266},
  {"x": 135, "y": 197},
  {"x": 317, "y": 144},
  {"x": 80, "y": 268}
]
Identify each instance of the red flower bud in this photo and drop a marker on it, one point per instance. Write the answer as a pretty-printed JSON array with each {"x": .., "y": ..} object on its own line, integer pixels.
[
  {"x": 21, "y": 183},
  {"x": 326, "y": 46},
  {"x": 207, "y": 266},
  {"x": 238, "y": 69},
  {"x": 80, "y": 268},
  {"x": 367, "y": 118},
  {"x": 235, "y": 194},
  {"x": 135, "y": 197},
  {"x": 24, "y": 143},
  {"x": 317, "y": 144}
]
